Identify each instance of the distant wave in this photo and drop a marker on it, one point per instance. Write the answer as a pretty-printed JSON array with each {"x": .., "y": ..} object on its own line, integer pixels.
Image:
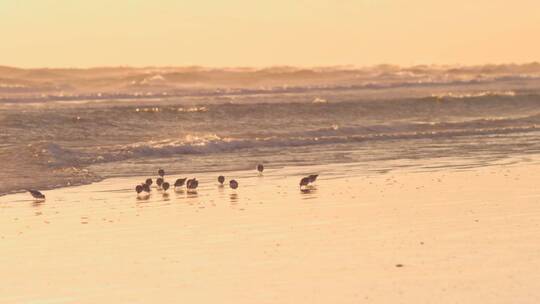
[
  {"x": 56, "y": 155},
  {"x": 177, "y": 109},
  {"x": 164, "y": 92},
  {"x": 460, "y": 95},
  {"x": 38, "y": 85}
]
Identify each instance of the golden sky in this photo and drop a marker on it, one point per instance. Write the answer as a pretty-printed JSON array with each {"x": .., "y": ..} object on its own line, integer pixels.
[{"x": 76, "y": 33}]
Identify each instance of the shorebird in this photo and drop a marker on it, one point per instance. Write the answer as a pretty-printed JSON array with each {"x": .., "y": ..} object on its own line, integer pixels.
[
  {"x": 179, "y": 182},
  {"x": 36, "y": 194},
  {"x": 192, "y": 184},
  {"x": 142, "y": 189},
  {"x": 221, "y": 179},
  {"x": 233, "y": 184},
  {"x": 260, "y": 168},
  {"x": 304, "y": 182},
  {"x": 313, "y": 178},
  {"x": 161, "y": 172},
  {"x": 159, "y": 182},
  {"x": 165, "y": 186},
  {"x": 148, "y": 182}
]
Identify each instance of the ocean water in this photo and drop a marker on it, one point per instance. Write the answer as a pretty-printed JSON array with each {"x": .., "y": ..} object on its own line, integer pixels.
[{"x": 53, "y": 142}]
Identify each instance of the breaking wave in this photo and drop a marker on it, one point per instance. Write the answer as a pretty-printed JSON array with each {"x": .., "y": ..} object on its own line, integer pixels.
[
  {"x": 59, "y": 140},
  {"x": 207, "y": 144}
]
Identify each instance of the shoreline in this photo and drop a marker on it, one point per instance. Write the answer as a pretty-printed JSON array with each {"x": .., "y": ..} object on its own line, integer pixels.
[
  {"x": 90, "y": 177},
  {"x": 446, "y": 236}
]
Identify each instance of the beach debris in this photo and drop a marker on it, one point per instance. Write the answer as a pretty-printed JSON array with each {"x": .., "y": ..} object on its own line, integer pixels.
[
  {"x": 399, "y": 265},
  {"x": 36, "y": 194},
  {"x": 233, "y": 184},
  {"x": 221, "y": 179}
]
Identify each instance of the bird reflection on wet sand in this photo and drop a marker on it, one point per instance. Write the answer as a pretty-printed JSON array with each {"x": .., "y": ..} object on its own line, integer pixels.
[
  {"x": 191, "y": 193},
  {"x": 143, "y": 198},
  {"x": 309, "y": 193},
  {"x": 234, "y": 198},
  {"x": 179, "y": 193},
  {"x": 37, "y": 203}
]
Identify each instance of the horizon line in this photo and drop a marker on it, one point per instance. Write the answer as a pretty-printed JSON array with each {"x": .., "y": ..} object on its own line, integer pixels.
[{"x": 262, "y": 67}]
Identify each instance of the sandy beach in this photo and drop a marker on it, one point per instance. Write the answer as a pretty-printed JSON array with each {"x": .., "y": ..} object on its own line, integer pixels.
[
  {"x": 441, "y": 236},
  {"x": 421, "y": 120}
]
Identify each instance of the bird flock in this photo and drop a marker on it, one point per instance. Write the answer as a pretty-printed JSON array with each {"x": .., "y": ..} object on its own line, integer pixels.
[
  {"x": 191, "y": 185},
  {"x": 144, "y": 189}
]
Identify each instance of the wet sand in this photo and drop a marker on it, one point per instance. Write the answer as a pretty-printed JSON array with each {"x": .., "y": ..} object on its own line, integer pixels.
[{"x": 446, "y": 236}]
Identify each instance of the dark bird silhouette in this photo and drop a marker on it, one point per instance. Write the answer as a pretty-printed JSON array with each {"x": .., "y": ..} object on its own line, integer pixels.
[
  {"x": 159, "y": 182},
  {"x": 165, "y": 186},
  {"x": 161, "y": 172},
  {"x": 260, "y": 168},
  {"x": 192, "y": 184},
  {"x": 180, "y": 182},
  {"x": 233, "y": 184},
  {"x": 304, "y": 181},
  {"x": 313, "y": 178},
  {"x": 143, "y": 190},
  {"x": 221, "y": 179},
  {"x": 36, "y": 194},
  {"x": 149, "y": 181}
]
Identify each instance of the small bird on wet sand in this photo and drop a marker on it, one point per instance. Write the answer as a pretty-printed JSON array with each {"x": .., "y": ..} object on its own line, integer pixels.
[
  {"x": 148, "y": 182},
  {"x": 260, "y": 168},
  {"x": 142, "y": 189},
  {"x": 304, "y": 182},
  {"x": 179, "y": 183},
  {"x": 233, "y": 184},
  {"x": 221, "y": 179},
  {"x": 161, "y": 172},
  {"x": 159, "y": 182},
  {"x": 192, "y": 184},
  {"x": 165, "y": 186},
  {"x": 36, "y": 194}
]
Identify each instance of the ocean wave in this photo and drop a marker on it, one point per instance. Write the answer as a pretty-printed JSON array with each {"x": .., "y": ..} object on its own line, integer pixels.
[
  {"x": 319, "y": 100},
  {"x": 40, "y": 85},
  {"x": 461, "y": 95},
  {"x": 57, "y": 155}
]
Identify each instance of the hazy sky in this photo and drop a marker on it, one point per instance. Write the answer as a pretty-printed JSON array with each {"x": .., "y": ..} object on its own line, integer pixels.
[{"x": 76, "y": 33}]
